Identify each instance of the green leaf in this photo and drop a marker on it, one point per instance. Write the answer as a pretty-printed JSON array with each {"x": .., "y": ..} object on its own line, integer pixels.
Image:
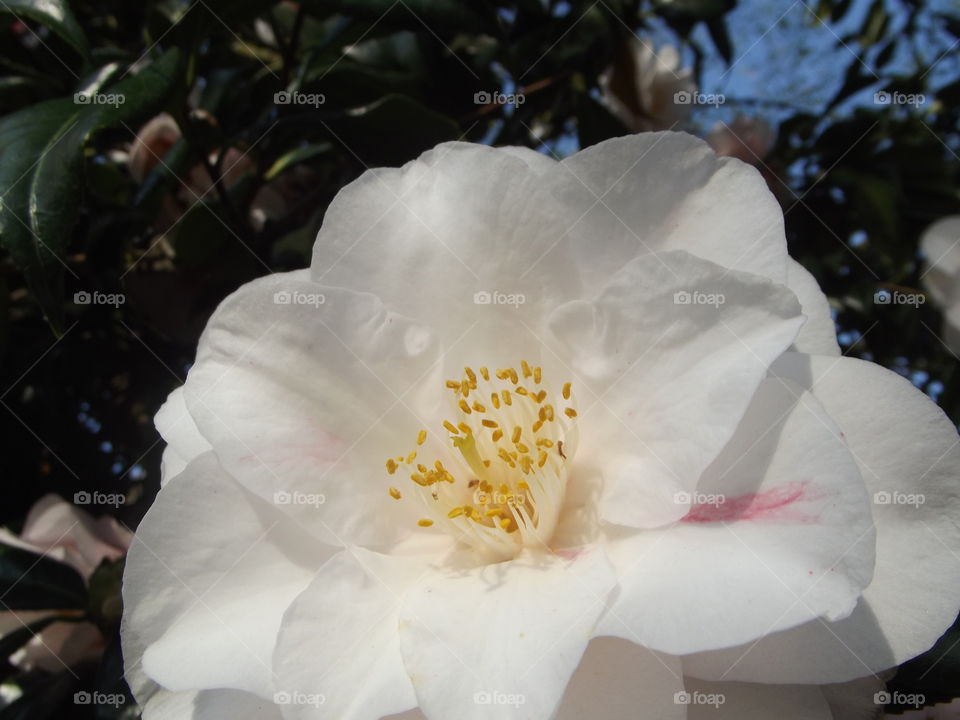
[
  {"x": 56, "y": 15},
  {"x": 57, "y": 181},
  {"x": 41, "y": 172},
  {"x": 295, "y": 157},
  {"x": 34, "y": 582},
  {"x": 24, "y": 136}
]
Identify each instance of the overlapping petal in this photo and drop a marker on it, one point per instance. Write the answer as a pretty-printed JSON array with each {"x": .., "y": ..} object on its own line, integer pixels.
[
  {"x": 502, "y": 641},
  {"x": 303, "y": 391},
  {"x": 908, "y": 452},
  {"x": 670, "y": 361},
  {"x": 208, "y": 578},
  {"x": 780, "y": 533}
]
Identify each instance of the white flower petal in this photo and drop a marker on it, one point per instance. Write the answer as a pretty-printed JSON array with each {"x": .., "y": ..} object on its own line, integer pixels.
[
  {"x": 904, "y": 444},
  {"x": 461, "y": 219},
  {"x": 669, "y": 191},
  {"x": 207, "y": 579},
  {"x": 941, "y": 246},
  {"x": 780, "y": 533},
  {"x": 177, "y": 428},
  {"x": 818, "y": 336},
  {"x": 339, "y": 639},
  {"x": 749, "y": 701},
  {"x": 501, "y": 641},
  {"x": 617, "y": 679},
  {"x": 209, "y": 705},
  {"x": 304, "y": 401},
  {"x": 537, "y": 161},
  {"x": 667, "y": 382}
]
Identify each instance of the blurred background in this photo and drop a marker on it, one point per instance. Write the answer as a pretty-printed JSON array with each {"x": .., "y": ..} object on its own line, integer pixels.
[{"x": 156, "y": 155}]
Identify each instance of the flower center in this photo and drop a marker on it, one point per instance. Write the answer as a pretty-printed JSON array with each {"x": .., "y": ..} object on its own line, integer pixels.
[{"x": 511, "y": 448}]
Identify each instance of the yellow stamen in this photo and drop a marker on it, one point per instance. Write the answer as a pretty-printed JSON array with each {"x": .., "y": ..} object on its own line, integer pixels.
[
  {"x": 395, "y": 494},
  {"x": 425, "y": 522}
]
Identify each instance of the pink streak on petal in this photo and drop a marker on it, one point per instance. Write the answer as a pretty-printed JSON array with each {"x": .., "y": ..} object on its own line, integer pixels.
[{"x": 775, "y": 504}]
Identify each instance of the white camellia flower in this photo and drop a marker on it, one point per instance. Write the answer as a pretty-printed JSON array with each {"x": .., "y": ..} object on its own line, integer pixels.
[
  {"x": 941, "y": 246},
  {"x": 536, "y": 439},
  {"x": 648, "y": 90}
]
